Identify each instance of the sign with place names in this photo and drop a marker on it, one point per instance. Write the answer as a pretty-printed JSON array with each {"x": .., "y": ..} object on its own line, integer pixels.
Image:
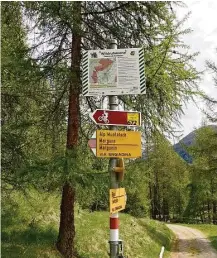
[
  {"x": 113, "y": 72},
  {"x": 116, "y": 117},
  {"x": 117, "y": 200},
  {"x": 118, "y": 144}
]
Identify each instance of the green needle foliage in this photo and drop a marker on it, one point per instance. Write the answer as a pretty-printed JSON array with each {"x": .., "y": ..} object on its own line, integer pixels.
[
  {"x": 203, "y": 187},
  {"x": 212, "y": 114},
  {"x": 170, "y": 76}
]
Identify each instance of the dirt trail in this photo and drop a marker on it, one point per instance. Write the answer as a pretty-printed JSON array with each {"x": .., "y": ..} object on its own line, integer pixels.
[{"x": 191, "y": 243}]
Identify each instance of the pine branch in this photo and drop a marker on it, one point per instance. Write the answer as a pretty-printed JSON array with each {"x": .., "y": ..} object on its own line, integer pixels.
[{"x": 108, "y": 10}]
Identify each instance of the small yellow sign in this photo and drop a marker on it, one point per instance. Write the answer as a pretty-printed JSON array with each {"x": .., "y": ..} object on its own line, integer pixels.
[
  {"x": 117, "y": 200},
  {"x": 118, "y": 144},
  {"x": 133, "y": 119}
]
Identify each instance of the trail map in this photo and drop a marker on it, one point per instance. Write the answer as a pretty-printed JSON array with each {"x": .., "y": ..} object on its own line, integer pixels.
[{"x": 103, "y": 72}]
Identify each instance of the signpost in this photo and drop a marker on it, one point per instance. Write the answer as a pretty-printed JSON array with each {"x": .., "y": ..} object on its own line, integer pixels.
[
  {"x": 117, "y": 200},
  {"x": 116, "y": 144},
  {"x": 116, "y": 117},
  {"x": 114, "y": 72}
]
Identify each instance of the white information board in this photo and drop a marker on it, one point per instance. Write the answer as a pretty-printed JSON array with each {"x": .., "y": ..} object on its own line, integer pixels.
[{"x": 113, "y": 72}]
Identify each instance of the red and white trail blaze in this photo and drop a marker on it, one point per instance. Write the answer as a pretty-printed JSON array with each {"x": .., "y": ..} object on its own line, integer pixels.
[{"x": 114, "y": 227}]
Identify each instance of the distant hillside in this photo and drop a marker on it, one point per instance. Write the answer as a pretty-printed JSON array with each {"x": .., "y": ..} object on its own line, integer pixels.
[{"x": 187, "y": 141}]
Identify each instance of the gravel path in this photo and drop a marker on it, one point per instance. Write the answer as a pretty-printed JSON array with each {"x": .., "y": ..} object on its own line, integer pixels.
[{"x": 191, "y": 243}]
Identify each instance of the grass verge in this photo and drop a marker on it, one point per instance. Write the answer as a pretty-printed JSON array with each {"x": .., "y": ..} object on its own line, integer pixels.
[
  {"x": 30, "y": 227},
  {"x": 143, "y": 238}
]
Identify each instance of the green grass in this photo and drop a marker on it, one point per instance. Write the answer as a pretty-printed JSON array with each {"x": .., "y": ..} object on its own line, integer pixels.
[
  {"x": 209, "y": 230},
  {"x": 30, "y": 227},
  {"x": 142, "y": 237}
]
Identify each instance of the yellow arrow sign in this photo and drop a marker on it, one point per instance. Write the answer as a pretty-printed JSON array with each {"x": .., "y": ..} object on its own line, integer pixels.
[
  {"x": 117, "y": 200},
  {"x": 118, "y": 144}
]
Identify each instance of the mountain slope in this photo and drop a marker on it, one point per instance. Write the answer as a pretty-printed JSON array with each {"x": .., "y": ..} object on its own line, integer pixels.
[{"x": 182, "y": 146}]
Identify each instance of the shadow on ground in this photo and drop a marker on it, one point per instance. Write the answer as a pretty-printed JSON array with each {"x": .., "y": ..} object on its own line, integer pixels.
[{"x": 19, "y": 239}]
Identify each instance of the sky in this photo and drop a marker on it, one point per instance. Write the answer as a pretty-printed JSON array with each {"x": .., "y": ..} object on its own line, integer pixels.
[{"x": 203, "y": 22}]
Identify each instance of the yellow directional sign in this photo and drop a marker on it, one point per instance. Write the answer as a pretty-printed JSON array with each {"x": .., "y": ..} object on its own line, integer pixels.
[
  {"x": 118, "y": 144},
  {"x": 117, "y": 200}
]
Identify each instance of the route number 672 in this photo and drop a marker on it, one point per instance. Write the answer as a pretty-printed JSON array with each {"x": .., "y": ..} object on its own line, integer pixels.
[{"x": 132, "y": 122}]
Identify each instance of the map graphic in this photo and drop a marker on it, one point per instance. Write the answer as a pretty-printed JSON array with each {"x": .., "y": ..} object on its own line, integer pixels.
[{"x": 102, "y": 72}]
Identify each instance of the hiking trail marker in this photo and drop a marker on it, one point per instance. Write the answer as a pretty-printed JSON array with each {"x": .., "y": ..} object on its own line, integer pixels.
[
  {"x": 116, "y": 117},
  {"x": 116, "y": 144},
  {"x": 117, "y": 199}
]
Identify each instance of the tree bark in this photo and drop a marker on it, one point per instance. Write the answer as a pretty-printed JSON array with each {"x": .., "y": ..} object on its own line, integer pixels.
[
  {"x": 65, "y": 242},
  {"x": 214, "y": 207},
  {"x": 209, "y": 211}
]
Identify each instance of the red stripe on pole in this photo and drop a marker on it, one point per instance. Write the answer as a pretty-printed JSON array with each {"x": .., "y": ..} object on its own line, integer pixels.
[{"x": 114, "y": 223}]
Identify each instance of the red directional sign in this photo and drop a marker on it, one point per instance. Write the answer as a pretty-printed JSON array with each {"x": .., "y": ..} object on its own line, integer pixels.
[{"x": 116, "y": 117}]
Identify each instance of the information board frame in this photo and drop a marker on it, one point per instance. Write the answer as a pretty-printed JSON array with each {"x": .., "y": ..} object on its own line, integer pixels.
[{"x": 113, "y": 72}]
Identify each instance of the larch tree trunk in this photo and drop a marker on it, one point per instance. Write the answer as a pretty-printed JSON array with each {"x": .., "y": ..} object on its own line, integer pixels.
[
  {"x": 214, "y": 207},
  {"x": 65, "y": 242}
]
